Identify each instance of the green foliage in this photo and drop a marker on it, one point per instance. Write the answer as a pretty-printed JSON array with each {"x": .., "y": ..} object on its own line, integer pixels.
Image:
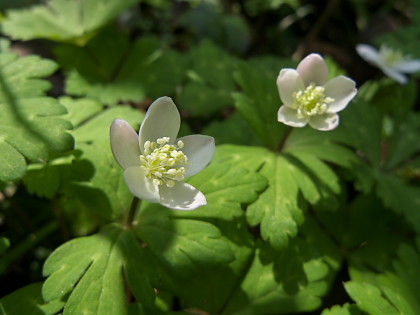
[
  {"x": 233, "y": 129},
  {"x": 207, "y": 20},
  {"x": 28, "y": 300},
  {"x": 89, "y": 178},
  {"x": 4, "y": 244},
  {"x": 63, "y": 20},
  {"x": 297, "y": 220},
  {"x": 89, "y": 273},
  {"x": 111, "y": 69},
  {"x": 289, "y": 281},
  {"x": 209, "y": 245},
  {"x": 210, "y": 81},
  {"x": 346, "y": 309},
  {"x": 31, "y": 128},
  {"x": 298, "y": 172},
  {"x": 260, "y": 101}
]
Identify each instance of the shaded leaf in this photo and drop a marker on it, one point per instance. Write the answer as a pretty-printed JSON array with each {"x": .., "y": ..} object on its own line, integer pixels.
[
  {"x": 28, "y": 300},
  {"x": 280, "y": 281},
  {"x": 259, "y": 103},
  {"x": 111, "y": 69}
]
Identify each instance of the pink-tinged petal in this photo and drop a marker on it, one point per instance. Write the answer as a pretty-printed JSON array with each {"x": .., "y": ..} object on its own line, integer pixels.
[
  {"x": 288, "y": 116},
  {"x": 140, "y": 186},
  {"x": 313, "y": 69},
  {"x": 162, "y": 120},
  {"x": 342, "y": 90},
  {"x": 399, "y": 77},
  {"x": 289, "y": 82},
  {"x": 182, "y": 196},
  {"x": 409, "y": 66},
  {"x": 200, "y": 150},
  {"x": 324, "y": 122},
  {"x": 369, "y": 54},
  {"x": 124, "y": 144}
]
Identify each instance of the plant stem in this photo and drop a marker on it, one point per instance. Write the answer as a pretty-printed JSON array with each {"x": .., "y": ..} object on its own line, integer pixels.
[
  {"x": 283, "y": 140},
  {"x": 132, "y": 212}
]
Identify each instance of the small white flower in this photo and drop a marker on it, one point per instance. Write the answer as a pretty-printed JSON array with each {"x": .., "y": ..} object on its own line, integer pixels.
[
  {"x": 393, "y": 63},
  {"x": 308, "y": 96},
  {"x": 155, "y": 162}
]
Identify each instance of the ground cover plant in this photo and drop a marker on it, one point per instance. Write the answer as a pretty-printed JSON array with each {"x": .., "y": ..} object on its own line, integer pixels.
[{"x": 209, "y": 157}]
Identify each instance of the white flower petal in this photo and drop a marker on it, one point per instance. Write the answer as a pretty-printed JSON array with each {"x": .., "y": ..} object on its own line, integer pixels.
[
  {"x": 200, "y": 150},
  {"x": 140, "y": 186},
  {"x": 288, "y": 116},
  {"x": 395, "y": 75},
  {"x": 162, "y": 120},
  {"x": 370, "y": 54},
  {"x": 313, "y": 69},
  {"x": 182, "y": 196},
  {"x": 342, "y": 90},
  {"x": 324, "y": 122},
  {"x": 409, "y": 66},
  {"x": 124, "y": 144},
  {"x": 288, "y": 82}
]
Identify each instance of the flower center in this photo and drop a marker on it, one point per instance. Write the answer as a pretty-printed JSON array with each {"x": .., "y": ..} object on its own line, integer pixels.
[
  {"x": 312, "y": 101},
  {"x": 164, "y": 163},
  {"x": 390, "y": 56}
]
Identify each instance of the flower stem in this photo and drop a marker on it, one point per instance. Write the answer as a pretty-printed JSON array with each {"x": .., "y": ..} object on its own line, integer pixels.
[
  {"x": 132, "y": 213},
  {"x": 283, "y": 140}
]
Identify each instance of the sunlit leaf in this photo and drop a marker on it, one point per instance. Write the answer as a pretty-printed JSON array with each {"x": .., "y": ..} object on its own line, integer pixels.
[
  {"x": 370, "y": 299},
  {"x": 346, "y": 309},
  {"x": 63, "y": 20},
  {"x": 94, "y": 273},
  {"x": 90, "y": 177},
  {"x": 206, "y": 249},
  {"x": 31, "y": 128}
]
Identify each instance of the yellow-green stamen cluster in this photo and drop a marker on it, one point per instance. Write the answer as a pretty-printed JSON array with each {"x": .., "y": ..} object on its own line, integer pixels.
[
  {"x": 391, "y": 57},
  {"x": 164, "y": 163},
  {"x": 311, "y": 101}
]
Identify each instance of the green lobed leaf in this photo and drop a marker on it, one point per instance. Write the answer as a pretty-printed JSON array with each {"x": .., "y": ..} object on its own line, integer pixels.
[
  {"x": 89, "y": 178},
  {"x": 400, "y": 197},
  {"x": 346, "y": 309},
  {"x": 396, "y": 288},
  {"x": 210, "y": 80},
  {"x": 89, "y": 273},
  {"x": 63, "y": 20},
  {"x": 31, "y": 129},
  {"x": 233, "y": 129},
  {"x": 369, "y": 298},
  {"x": 207, "y": 249},
  {"x": 281, "y": 281},
  {"x": 277, "y": 209},
  {"x": 111, "y": 69},
  {"x": 259, "y": 103},
  {"x": 28, "y": 300}
]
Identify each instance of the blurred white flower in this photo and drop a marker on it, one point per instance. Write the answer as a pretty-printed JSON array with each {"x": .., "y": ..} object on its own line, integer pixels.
[
  {"x": 308, "y": 96},
  {"x": 393, "y": 63},
  {"x": 155, "y": 162}
]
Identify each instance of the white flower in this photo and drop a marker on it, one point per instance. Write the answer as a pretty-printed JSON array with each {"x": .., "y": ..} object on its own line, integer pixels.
[
  {"x": 308, "y": 96},
  {"x": 155, "y": 162},
  {"x": 393, "y": 63}
]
